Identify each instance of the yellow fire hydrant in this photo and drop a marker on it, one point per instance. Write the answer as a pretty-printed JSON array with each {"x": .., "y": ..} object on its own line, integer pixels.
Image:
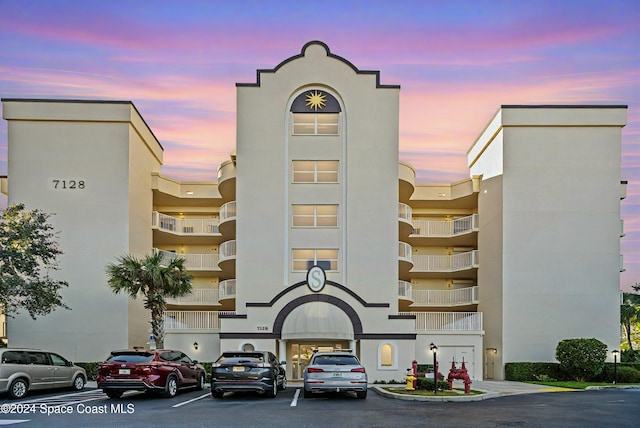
[{"x": 409, "y": 378}]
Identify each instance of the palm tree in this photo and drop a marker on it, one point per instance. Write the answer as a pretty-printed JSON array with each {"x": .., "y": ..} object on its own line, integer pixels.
[
  {"x": 630, "y": 313},
  {"x": 154, "y": 280}
]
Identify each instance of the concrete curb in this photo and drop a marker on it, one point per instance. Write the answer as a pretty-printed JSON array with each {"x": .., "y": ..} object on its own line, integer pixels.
[{"x": 479, "y": 397}]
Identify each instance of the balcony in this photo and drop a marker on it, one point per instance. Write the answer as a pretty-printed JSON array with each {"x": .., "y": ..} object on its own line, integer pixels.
[
  {"x": 227, "y": 289},
  {"x": 447, "y": 321},
  {"x": 193, "y": 262},
  {"x": 227, "y": 224},
  {"x": 404, "y": 217},
  {"x": 404, "y": 290},
  {"x": 193, "y": 321},
  {"x": 446, "y": 298},
  {"x": 174, "y": 230},
  {"x": 457, "y": 232},
  {"x": 227, "y": 260},
  {"x": 444, "y": 263},
  {"x": 198, "y": 296}
]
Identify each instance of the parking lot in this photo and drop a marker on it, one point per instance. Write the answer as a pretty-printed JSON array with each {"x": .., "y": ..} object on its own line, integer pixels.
[{"x": 198, "y": 409}]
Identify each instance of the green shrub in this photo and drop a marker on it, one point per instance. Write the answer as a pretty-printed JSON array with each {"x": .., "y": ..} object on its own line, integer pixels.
[
  {"x": 581, "y": 359},
  {"x": 626, "y": 374},
  {"x": 91, "y": 369},
  {"x": 530, "y": 371},
  {"x": 630, "y": 356},
  {"x": 427, "y": 384}
]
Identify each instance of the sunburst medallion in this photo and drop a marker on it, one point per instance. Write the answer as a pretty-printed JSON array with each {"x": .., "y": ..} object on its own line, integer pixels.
[{"x": 316, "y": 100}]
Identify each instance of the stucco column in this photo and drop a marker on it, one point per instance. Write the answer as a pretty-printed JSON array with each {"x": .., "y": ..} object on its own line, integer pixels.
[
  {"x": 352, "y": 346},
  {"x": 282, "y": 354}
]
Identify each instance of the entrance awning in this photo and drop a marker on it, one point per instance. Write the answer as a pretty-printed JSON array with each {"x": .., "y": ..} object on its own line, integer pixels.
[{"x": 317, "y": 320}]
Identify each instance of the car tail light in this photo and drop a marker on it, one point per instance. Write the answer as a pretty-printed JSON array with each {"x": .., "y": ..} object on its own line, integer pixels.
[
  {"x": 358, "y": 370},
  {"x": 315, "y": 370}
]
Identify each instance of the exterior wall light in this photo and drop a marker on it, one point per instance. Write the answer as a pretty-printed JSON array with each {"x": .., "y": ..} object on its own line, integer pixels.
[{"x": 195, "y": 345}]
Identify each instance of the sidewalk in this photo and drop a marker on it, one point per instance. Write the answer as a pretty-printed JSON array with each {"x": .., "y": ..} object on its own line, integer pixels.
[{"x": 491, "y": 389}]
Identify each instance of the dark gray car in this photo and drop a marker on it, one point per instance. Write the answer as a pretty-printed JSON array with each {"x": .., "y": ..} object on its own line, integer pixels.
[{"x": 253, "y": 371}]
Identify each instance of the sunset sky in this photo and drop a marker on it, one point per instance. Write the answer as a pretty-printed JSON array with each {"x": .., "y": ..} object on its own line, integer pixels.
[{"x": 456, "y": 63}]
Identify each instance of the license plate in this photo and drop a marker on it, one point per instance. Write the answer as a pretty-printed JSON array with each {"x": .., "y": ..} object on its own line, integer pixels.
[
  {"x": 124, "y": 371},
  {"x": 336, "y": 374},
  {"x": 238, "y": 368}
]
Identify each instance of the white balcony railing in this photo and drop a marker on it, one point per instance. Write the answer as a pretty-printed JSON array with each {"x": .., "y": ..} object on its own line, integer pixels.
[
  {"x": 193, "y": 261},
  {"x": 445, "y": 228},
  {"x": 404, "y": 212},
  {"x": 227, "y": 289},
  {"x": 404, "y": 289},
  {"x": 198, "y": 296},
  {"x": 193, "y": 320},
  {"x": 228, "y": 211},
  {"x": 404, "y": 251},
  {"x": 227, "y": 250},
  {"x": 444, "y": 263},
  {"x": 447, "y": 321},
  {"x": 184, "y": 226},
  {"x": 457, "y": 297}
]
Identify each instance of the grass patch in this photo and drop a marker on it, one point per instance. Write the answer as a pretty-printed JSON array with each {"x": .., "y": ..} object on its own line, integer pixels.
[{"x": 457, "y": 392}]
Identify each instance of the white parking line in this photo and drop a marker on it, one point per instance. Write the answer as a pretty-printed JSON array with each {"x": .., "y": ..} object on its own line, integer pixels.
[
  {"x": 191, "y": 401},
  {"x": 294, "y": 402},
  {"x": 14, "y": 421}
]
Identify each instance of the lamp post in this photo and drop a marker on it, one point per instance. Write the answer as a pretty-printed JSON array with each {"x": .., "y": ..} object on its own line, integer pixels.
[
  {"x": 433, "y": 349},
  {"x": 615, "y": 353}
]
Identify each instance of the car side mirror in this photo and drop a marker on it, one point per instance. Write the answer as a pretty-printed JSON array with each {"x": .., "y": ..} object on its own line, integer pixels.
[
  {"x": 195, "y": 362},
  {"x": 284, "y": 363},
  {"x": 69, "y": 364}
]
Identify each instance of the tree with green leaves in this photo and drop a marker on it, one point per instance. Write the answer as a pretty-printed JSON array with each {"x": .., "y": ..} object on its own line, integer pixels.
[
  {"x": 581, "y": 359},
  {"x": 630, "y": 314},
  {"x": 156, "y": 279},
  {"x": 28, "y": 255}
]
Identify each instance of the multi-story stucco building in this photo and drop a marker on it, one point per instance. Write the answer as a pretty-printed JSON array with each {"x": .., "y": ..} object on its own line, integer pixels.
[{"x": 315, "y": 235}]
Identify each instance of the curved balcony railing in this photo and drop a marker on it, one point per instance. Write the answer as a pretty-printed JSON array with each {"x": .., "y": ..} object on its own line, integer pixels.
[
  {"x": 193, "y": 261},
  {"x": 444, "y": 263},
  {"x": 445, "y": 228},
  {"x": 228, "y": 211},
  {"x": 227, "y": 289},
  {"x": 404, "y": 289},
  {"x": 198, "y": 296},
  {"x": 404, "y": 212},
  {"x": 404, "y": 251},
  {"x": 175, "y": 321},
  {"x": 227, "y": 250},
  {"x": 184, "y": 226},
  {"x": 447, "y": 321},
  {"x": 456, "y": 297}
]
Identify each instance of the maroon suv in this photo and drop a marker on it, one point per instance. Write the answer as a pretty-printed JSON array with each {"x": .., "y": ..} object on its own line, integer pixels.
[{"x": 163, "y": 371}]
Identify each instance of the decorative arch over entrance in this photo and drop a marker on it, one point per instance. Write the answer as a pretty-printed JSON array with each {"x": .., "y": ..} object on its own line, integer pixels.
[{"x": 341, "y": 304}]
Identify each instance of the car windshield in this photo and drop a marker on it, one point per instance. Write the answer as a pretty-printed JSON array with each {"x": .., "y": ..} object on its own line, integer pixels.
[
  {"x": 336, "y": 360},
  {"x": 130, "y": 358},
  {"x": 240, "y": 358}
]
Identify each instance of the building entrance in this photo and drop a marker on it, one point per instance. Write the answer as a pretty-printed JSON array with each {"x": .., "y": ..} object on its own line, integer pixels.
[{"x": 301, "y": 354}]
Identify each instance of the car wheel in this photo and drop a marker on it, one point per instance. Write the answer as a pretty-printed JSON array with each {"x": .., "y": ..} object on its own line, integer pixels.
[
  {"x": 283, "y": 385},
  {"x": 18, "y": 388},
  {"x": 362, "y": 394},
  {"x": 114, "y": 393},
  {"x": 217, "y": 394},
  {"x": 201, "y": 380},
  {"x": 308, "y": 394},
  {"x": 171, "y": 388},
  {"x": 274, "y": 390},
  {"x": 78, "y": 383}
]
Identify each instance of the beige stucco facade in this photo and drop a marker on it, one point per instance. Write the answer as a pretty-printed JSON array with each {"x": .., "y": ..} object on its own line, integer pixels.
[{"x": 315, "y": 235}]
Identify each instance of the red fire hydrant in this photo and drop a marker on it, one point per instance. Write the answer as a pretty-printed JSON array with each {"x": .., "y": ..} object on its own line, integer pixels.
[
  {"x": 461, "y": 373},
  {"x": 414, "y": 366}
]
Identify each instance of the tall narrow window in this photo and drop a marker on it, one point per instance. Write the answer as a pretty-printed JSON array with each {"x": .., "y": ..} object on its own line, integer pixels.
[
  {"x": 304, "y": 258},
  {"x": 315, "y": 215},
  {"x": 315, "y": 112},
  {"x": 315, "y": 171}
]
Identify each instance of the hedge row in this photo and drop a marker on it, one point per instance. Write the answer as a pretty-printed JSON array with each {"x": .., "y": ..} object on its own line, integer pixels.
[{"x": 525, "y": 372}]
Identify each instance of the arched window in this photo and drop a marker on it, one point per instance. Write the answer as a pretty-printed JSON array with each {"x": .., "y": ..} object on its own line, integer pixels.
[
  {"x": 247, "y": 347},
  {"x": 315, "y": 112},
  {"x": 387, "y": 356}
]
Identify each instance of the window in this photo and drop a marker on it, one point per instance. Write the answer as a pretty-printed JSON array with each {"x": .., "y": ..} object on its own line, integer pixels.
[
  {"x": 315, "y": 112},
  {"x": 58, "y": 360},
  {"x": 315, "y": 215},
  {"x": 303, "y": 259},
  {"x": 315, "y": 123},
  {"x": 387, "y": 356},
  {"x": 315, "y": 171}
]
